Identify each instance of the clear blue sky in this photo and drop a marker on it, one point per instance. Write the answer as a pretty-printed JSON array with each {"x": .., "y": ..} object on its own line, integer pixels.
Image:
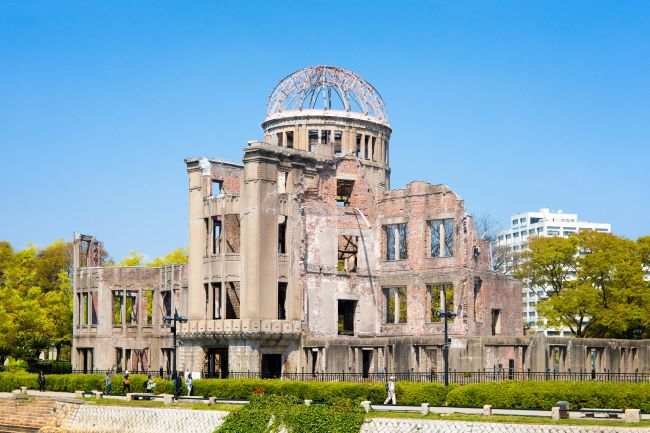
[{"x": 515, "y": 105}]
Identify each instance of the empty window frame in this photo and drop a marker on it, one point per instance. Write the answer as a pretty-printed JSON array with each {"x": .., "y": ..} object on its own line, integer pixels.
[
  {"x": 312, "y": 137},
  {"x": 148, "y": 294},
  {"x": 348, "y": 247},
  {"x": 325, "y": 136},
  {"x": 438, "y": 292},
  {"x": 282, "y": 236},
  {"x": 338, "y": 142},
  {"x": 396, "y": 241},
  {"x": 358, "y": 150},
  {"x": 346, "y": 311},
  {"x": 282, "y": 299},
  {"x": 496, "y": 322},
  {"x": 216, "y": 236},
  {"x": 216, "y": 187},
  {"x": 366, "y": 144},
  {"x": 118, "y": 299},
  {"x": 131, "y": 308},
  {"x": 396, "y": 304},
  {"x": 232, "y": 300},
  {"x": 344, "y": 192},
  {"x": 289, "y": 139},
  {"x": 442, "y": 237},
  {"x": 166, "y": 302},
  {"x": 216, "y": 300}
]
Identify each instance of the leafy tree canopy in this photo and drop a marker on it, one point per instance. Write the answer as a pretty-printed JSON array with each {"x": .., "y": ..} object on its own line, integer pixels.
[
  {"x": 594, "y": 283},
  {"x": 179, "y": 255}
]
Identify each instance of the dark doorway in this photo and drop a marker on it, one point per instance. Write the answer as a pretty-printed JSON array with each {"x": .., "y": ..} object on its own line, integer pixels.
[
  {"x": 346, "y": 316},
  {"x": 218, "y": 362},
  {"x": 271, "y": 365},
  {"x": 511, "y": 369},
  {"x": 367, "y": 362}
]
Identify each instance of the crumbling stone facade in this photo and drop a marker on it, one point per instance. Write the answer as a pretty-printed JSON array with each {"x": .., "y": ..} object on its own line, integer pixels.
[{"x": 303, "y": 260}]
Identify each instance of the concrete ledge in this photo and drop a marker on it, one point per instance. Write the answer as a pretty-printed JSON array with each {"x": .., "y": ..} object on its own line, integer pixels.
[
  {"x": 632, "y": 415},
  {"x": 424, "y": 408},
  {"x": 487, "y": 410},
  {"x": 555, "y": 413}
]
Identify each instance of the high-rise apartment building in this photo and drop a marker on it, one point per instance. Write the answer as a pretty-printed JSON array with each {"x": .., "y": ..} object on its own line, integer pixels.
[{"x": 544, "y": 222}]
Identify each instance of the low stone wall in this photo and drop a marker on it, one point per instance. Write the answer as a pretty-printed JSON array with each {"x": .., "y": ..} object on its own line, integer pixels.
[
  {"x": 388, "y": 425},
  {"x": 114, "y": 419}
]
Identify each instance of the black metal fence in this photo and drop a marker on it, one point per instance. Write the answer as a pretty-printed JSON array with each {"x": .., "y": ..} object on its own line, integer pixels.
[{"x": 458, "y": 377}]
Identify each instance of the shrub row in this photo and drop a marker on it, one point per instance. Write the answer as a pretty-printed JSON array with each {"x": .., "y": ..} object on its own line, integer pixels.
[
  {"x": 342, "y": 416},
  {"x": 509, "y": 394},
  {"x": 543, "y": 395}
]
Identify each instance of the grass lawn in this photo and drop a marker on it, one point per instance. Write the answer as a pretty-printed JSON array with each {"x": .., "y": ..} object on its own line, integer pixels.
[
  {"x": 160, "y": 404},
  {"x": 506, "y": 419}
]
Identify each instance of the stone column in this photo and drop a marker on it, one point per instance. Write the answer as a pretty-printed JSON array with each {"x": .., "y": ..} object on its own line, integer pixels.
[{"x": 197, "y": 170}]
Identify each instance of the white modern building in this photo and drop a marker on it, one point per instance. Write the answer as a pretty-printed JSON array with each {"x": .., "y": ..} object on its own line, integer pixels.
[{"x": 545, "y": 222}]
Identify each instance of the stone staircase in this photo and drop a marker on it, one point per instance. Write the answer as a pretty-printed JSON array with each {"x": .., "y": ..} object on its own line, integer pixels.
[{"x": 24, "y": 415}]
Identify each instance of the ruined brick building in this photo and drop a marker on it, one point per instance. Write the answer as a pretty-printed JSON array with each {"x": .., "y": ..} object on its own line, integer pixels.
[{"x": 302, "y": 259}]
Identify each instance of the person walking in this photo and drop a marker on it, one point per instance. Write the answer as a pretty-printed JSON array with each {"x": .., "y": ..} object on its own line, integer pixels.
[
  {"x": 188, "y": 384},
  {"x": 151, "y": 385},
  {"x": 41, "y": 381},
  {"x": 178, "y": 385},
  {"x": 107, "y": 382},
  {"x": 390, "y": 389},
  {"x": 126, "y": 382}
]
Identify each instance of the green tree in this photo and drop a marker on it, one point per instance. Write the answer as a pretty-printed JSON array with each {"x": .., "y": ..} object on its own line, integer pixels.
[
  {"x": 594, "y": 283},
  {"x": 179, "y": 255}
]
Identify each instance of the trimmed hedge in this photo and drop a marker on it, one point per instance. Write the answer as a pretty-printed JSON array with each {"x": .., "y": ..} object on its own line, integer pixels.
[
  {"x": 508, "y": 394},
  {"x": 80, "y": 382},
  {"x": 544, "y": 395}
]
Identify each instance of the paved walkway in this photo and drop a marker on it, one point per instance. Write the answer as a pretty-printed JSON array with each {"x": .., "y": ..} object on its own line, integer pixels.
[{"x": 389, "y": 425}]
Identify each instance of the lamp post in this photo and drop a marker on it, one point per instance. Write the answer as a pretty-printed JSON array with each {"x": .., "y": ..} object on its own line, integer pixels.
[
  {"x": 447, "y": 315},
  {"x": 173, "y": 319}
]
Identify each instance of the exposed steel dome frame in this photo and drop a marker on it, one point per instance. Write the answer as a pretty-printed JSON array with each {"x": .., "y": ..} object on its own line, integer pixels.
[{"x": 305, "y": 88}]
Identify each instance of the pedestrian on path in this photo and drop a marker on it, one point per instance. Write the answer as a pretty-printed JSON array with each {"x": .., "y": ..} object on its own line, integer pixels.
[
  {"x": 178, "y": 384},
  {"x": 107, "y": 381},
  {"x": 41, "y": 381},
  {"x": 126, "y": 383},
  {"x": 390, "y": 389},
  {"x": 188, "y": 384}
]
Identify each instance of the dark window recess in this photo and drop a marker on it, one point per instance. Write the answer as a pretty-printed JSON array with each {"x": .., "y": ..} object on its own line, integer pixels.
[
  {"x": 232, "y": 300},
  {"x": 344, "y": 192},
  {"x": 289, "y": 139},
  {"x": 314, "y": 361},
  {"x": 167, "y": 303},
  {"x": 217, "y": 186},
  {"x": 313, "y": 139},
  {"x": 496, "y": 322},
  {"x": 271, "y": 365},
  {"x": 346, "y": 316},
  {"x": 338, "y": 142},
  {"x": 358, "y": 152},
  {"x": 282, "y": 237},
  {"x": 348, "y": 249},
  {"x": 367, "y": 362},
  {"x": 282, "y": 299}
]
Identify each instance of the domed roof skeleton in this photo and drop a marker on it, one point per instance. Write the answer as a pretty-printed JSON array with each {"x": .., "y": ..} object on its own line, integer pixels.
[{"x": 302, "y": 90}]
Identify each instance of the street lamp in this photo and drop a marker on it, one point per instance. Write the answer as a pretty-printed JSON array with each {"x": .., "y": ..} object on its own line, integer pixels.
[
  {"x": 447, "y": 315},
  {"x": 172, "y": 320}
]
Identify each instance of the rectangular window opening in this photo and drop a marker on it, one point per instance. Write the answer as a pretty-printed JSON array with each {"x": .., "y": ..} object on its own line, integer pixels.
[
  {"x": 438, "y": 293},
  {"x": 232, "y": 301},
  {"x": 344, "y": 192},
  {"x": 166, "y": 302},
  {"x": 358, "y": 151},
  {"x": 216, "y": 187},
  {"x": 496, "y": 322},
  {"x": 290, "y": 139},
  {"x": 282, "y": 298},
  {"x": 346, "y": 310},
  {"x": 312, "y": 139},
  {"x": 396, "y": 241},
  {"x": 348, "y": 249},
  {"x": 442, "y": 237},
  {"x": 396, "y": 305},
  {"x": 131, "y": 308},
  {"x": 216, "y": 236},
  {"x": 338, "y": 135},
  {"x": 117, "y": 307},
  {"x": 282, "y": 237},
  {"x": 216, "y": 300},
  {"x": 149, "y": 295}
]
